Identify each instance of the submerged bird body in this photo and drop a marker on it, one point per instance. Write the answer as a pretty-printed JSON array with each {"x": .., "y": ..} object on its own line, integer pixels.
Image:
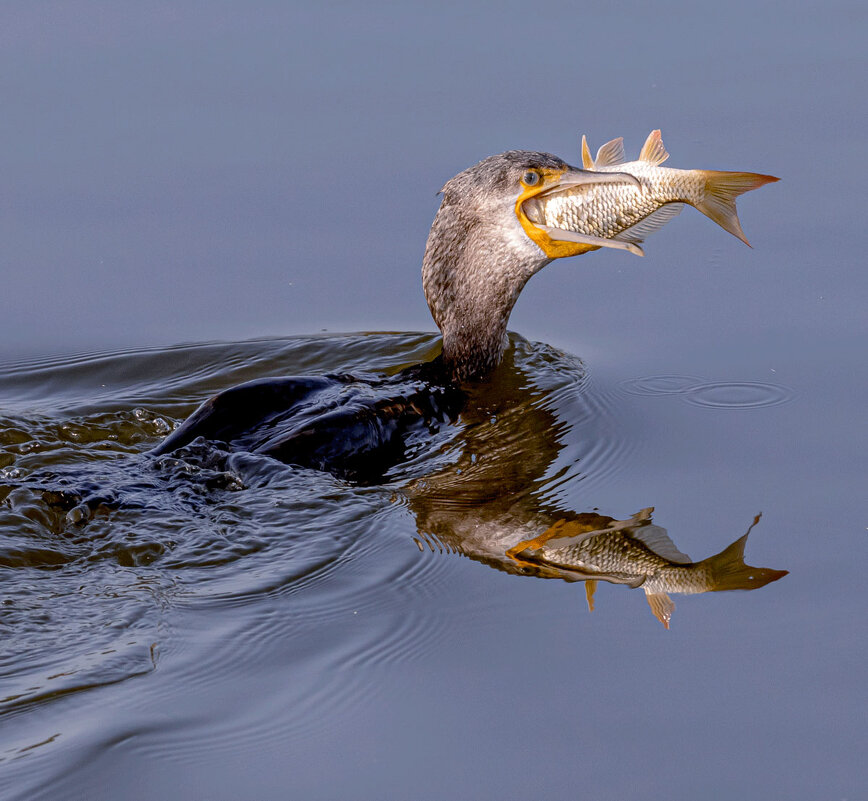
[{"x": 355, "y": 428}]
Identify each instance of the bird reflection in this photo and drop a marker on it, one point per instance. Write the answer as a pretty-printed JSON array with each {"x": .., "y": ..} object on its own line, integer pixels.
[{"x": 490, "y": 504}]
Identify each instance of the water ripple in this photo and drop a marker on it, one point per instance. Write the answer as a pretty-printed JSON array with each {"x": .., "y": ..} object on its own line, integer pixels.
[
  {"x": 671, "y": 384},
  {"x": 739, "y": 394},
  {"x": 712, "y": 394}
]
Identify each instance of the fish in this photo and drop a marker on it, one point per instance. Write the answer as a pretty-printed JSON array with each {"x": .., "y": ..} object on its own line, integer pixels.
[
  {"x": 621, "y": 215},
  {"x": 639, "y": 554}
]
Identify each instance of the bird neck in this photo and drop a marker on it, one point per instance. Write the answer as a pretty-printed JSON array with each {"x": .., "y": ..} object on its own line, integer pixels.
[
  {"x": 472, "y": 275},
  {"x": 472, "y": 348}
]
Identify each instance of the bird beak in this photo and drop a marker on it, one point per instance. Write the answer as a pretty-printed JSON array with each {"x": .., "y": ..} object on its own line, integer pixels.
[
  {"x": 570, "y": 178},
  {"x": 558, "y": 243}
]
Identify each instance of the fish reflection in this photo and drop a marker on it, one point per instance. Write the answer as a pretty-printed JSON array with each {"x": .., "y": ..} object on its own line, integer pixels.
[
  {"x": 639, "y": 554},
  {"x": 490, "y": 505}
]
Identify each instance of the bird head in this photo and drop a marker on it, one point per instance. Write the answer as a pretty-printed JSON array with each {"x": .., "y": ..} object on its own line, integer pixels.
[{"x": 487, "y": 240}]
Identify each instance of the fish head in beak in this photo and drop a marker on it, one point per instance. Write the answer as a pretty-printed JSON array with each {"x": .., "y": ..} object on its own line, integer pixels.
[{"x": 539, "y": 184}]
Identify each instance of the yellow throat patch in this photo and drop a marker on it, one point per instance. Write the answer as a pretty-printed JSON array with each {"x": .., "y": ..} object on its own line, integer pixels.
[{"x": 553, "y": 248}]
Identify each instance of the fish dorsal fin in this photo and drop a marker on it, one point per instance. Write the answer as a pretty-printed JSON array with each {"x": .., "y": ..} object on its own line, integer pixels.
[
  {"x": 653, "y": 150},
  {"x": 648, "y": 225},
  {"x": 587, "y": 161},
  {"x": 658, "y": 541},
  {"x": 662, "y": 606},
  {"x": 611, "y": 153}
]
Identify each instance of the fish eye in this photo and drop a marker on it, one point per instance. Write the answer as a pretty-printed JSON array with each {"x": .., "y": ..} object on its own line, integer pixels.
[{"x": 531, "y": 178}]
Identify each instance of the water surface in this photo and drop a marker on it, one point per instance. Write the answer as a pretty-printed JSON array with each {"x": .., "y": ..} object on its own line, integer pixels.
[{"x": 221, "y": 626}]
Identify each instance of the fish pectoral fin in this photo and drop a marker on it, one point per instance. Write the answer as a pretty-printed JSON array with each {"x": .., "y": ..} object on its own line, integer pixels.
[
  {"x": 590, "y": 589},
  {"x": 562, "y": 235},
  {"x": 612, "y": 153},
  {"x": 653, "y": 151},
  {"x": 661, "y": 605},
  {"x": 587, "y": 161},
  {"x": 648, "y": 225}
]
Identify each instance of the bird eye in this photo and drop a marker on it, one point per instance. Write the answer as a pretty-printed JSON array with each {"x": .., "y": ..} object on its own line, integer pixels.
[{"x": 530, "y": 178}]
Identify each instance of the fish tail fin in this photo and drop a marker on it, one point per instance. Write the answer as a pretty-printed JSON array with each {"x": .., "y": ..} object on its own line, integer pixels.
[
  {"x": 721, "y": 190},
  {"x": 728, "y": 570}
]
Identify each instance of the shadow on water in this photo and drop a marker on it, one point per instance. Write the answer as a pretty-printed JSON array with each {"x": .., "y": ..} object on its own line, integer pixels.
[{"x": 102, "y": 541}]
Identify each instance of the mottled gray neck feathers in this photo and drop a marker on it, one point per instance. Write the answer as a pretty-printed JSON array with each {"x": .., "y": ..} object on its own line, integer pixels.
[
  {"x": 471, "y": 285},
  {"x": 475, "y": 266}
]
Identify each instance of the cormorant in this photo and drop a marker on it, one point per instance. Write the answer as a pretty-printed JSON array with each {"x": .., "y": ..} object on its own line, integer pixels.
[{"x": 487, "y": 240}]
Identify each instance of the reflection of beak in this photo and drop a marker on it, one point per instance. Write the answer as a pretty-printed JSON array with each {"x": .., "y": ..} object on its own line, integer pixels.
[{"x": 557, "y": 242}]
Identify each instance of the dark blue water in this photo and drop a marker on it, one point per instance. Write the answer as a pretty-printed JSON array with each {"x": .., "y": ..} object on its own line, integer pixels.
[{"x": 224, "y": 627}]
